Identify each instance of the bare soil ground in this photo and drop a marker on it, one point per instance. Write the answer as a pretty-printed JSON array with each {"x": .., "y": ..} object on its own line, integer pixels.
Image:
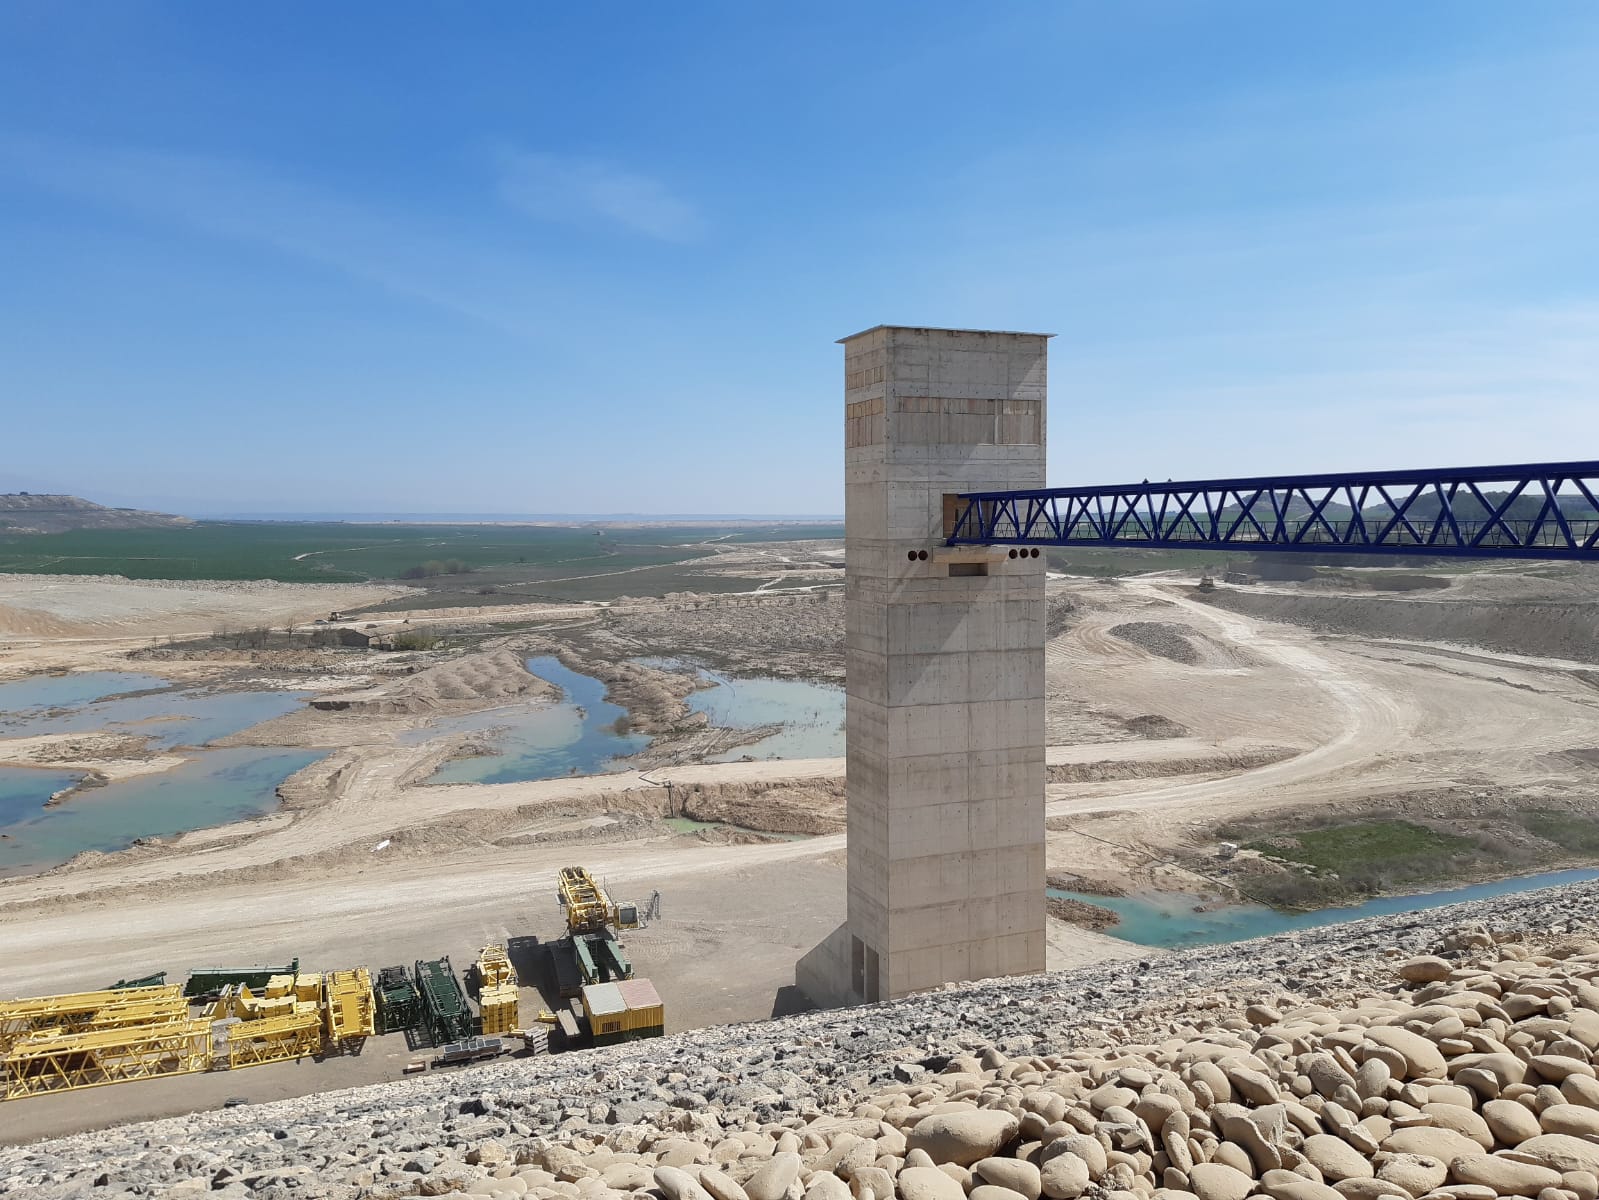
[
  {"x": 54, "y": 607},
  {"x": 794, "y": 636},
  {"x": 1149, "y": 755}
]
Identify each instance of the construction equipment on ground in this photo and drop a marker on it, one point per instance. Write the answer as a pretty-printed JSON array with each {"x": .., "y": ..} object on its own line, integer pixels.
[
  {"x": 153, "y": 980},
  {"x": 623, "y": 1011},
  {"x": 497, "y": 996},
  {"x": 468, "y": 1050},
  {"x": 55, "y": 1061},
  {"x": 445, "y": 1015},
  {"x": 494, "y": 967},
  {"x": 208, "y": 982},
  {"x": 398, "y": 1007},
  {"x": 143, "y": 1028},
  {"x": 241, "y": 1043},
  {"x": 348, "y": 1009},
  {"x": 590, "y": 951},
  {"x": 79, "y": 1012}
]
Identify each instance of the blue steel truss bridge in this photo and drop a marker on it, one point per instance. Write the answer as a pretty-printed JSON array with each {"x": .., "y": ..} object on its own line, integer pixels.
[{"x": 1539, "y": 511}]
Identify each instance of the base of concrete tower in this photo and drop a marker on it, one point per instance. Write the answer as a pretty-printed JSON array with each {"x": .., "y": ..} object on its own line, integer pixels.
[{"x": 824, "y": 973}]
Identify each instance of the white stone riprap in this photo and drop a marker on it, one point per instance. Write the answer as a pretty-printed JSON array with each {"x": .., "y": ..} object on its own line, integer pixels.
[{"x": 1336, "y": 1064}]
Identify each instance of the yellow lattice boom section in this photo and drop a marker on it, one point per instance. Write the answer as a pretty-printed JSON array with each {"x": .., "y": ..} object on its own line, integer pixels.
[
  {"x": 499, "y": 1006},
  {"x": 588, "y": 908},
  {"x": 347, "y": 1005},
  {"x": 162, "y": 1010},
  {"x": 271, "y": 1039},
  {"x": 65, "y": 1061},
  {"x": 494, "y": 967},
  {"x": 78, "y": 1011}
]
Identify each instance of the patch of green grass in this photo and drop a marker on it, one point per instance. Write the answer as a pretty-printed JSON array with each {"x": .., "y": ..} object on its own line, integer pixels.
[
  {"x": 1570, "y": 831},
  {"x": 1367, "y": 845},
  {"x": 1362, "y": 858},
  {"x": 332, "y": 552}
]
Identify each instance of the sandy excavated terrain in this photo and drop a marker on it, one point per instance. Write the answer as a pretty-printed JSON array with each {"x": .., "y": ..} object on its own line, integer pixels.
[
  {"x": 1171, "y": 713},
  {"x": 1374, "y": 722},
  {"x": 87, "y": 606}
]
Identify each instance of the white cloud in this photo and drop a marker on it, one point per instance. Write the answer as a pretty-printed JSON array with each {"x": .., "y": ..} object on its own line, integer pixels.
[
  {"x": 582, "y": 191},
  {"x": 246, "y": 202}
]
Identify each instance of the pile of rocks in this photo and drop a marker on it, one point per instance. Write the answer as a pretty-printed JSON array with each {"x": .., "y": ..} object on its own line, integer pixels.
[{"x": 1337, "y": 1065}]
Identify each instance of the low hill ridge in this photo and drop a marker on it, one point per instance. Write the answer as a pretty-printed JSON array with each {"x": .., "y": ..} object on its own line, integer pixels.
[{"x": 34, "y": 512}]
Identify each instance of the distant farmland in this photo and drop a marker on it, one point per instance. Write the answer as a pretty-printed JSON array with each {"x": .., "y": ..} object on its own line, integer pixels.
[{"x": 340, "y": 553}]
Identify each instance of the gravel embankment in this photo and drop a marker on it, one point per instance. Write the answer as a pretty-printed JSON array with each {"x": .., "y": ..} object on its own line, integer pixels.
[{"x": 1332, "y": 1064}]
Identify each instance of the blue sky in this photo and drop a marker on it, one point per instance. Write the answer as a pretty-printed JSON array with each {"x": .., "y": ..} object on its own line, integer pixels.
[{"x": 527, "y": 257}]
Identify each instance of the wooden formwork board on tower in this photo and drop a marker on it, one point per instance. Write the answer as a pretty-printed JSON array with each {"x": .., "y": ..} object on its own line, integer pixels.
[{"x": 65, "y": 1062}]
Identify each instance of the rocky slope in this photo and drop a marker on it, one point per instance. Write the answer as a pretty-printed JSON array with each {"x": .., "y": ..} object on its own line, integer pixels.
[
  {"x": 1446, "y": 1055},
  {"x": 26, "y": 512}
]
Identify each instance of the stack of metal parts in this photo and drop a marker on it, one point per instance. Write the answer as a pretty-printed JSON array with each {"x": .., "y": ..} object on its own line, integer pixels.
[
  {"x": 248, "y": 1030},
  {"x": 497, "y": 994},
  {"x": 398, "y": 1008},
  {"x": 348, "y": 1007},
  {"x": 445, "y": 1015},
  {"x": 85, "y": 1039},
  {"x": 209, "y": 981}
]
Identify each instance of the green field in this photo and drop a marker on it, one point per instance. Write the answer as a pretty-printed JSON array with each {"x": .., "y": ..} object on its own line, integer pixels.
[{"x": 335, "y": 552}]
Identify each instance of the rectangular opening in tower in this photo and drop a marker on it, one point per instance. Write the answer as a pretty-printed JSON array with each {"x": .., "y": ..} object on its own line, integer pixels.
[{"x": 956, "y": 570}]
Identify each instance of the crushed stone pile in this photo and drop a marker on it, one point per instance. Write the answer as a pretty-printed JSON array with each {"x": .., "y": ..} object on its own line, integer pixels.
[
  {"x": 1447, "y": 1055},
  {"x": 1159, "y": 637}
]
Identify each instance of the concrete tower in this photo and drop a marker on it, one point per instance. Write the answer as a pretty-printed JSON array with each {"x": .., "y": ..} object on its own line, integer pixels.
[{"x": 945, "y": 669}]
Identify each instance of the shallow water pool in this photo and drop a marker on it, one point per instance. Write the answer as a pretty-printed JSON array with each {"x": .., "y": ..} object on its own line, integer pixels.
[
  {"x": 1168, "y": 919},
  {"x": 70, "y": 691},
  {"x": 168, "y": 717},
  {"x": 812, "y": 716},
  {"x": 542, "y": 741},
  {"x": 216, "y": 787}
]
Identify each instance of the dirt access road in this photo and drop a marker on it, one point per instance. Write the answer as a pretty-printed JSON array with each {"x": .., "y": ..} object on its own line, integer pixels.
[{"x": 1366, "y": 719}]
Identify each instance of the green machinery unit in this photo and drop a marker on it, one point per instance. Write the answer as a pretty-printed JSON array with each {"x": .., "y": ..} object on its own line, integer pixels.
[
  {"x": 208, "y": 981},
  {"x": 586, "y": 958},
  {"x": 445, "y": 1014},
  {"x": 398, "y": 1006},
  {"x": 600, "y": 958},
  {"x": 122, "y": 985}
]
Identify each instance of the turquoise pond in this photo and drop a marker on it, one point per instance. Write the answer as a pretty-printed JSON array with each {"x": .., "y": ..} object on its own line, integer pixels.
[
  {"x": 70, "y": 691},
  {"x": 812, "y": 716},
  {"x": 577, "y": 736},
  {"x": 541, "y": 741},
  {"x": 23, "y": 791},
  {"x": 136, "y": 704},
  {"x": 214, "y": 787},
  {"x": 1168, "y": 919}
]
